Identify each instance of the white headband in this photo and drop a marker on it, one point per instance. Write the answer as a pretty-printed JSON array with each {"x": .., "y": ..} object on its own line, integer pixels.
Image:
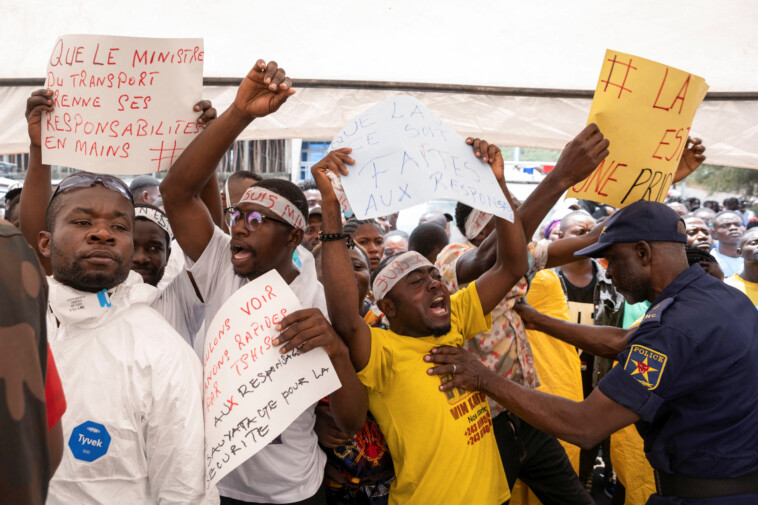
[
  {"x": 156, "y": 216},
  {"x": 475, "y": 223},
  {"x": 278, "y": 204},
  {"x": 396, "y": 270}
]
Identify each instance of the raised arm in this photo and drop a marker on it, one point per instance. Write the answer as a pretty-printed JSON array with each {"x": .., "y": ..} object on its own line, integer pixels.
[
  {"x": 578, "y": 159},
  {"x": 337, "y": 270},
  {"x": 37, "y": 189},
  {"x": 262, "y": 91},
  {"x": 603, "y": 341},
  {"x": 582, "y": 423},
  {"x": 511, "y": 262}
]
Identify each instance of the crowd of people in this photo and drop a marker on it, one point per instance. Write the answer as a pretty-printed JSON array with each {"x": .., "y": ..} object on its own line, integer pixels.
[{"x": 490, "y": 371}]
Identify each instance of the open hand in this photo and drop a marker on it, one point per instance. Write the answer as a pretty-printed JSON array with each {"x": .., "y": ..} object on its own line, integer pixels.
[
  {"x": 39, "y": 101},
  {"x": 692, "y": 157},
  {"x": 467, "y": 371},
  {"x": 208, "y": 113},
  {"x": 308, "y": 329},
  {"x": 582, "y": 155},
  {"x": 265, "y": 88},
  {"x": 488, "y": 153}
]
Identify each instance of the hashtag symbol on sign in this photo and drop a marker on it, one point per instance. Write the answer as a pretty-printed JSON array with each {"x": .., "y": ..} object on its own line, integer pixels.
[
  {"x": 621, "y": 86},
  {"x": 166, "y": 153}
]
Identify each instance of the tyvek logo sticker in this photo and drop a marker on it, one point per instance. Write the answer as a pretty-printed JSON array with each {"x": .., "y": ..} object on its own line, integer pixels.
[
  {"x": 104, "y": 298},
  {"x": 89, "y": 441}
]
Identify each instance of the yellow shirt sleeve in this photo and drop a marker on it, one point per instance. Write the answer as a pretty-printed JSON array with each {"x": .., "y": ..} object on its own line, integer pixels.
[
  {"x": 466, "y": 316},
  {"x": 379, "y": 365}
]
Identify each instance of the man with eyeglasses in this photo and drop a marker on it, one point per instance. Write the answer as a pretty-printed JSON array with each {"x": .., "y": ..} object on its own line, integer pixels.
[{"x": 266, "y": 226}]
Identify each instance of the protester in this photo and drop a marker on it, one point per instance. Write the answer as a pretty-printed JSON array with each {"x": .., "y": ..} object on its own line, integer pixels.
[
  {"x": 428, "y": 240},
  {"x": 697, "y": 328},
  {"x": 262, "y": 239},
  {"x": 311, "y": 192},
  {"x": 368, "y": 234},
  {"x": 505, "y": 348},
  {"x": 591, "y": 300},
  {"x": 236, "y": 184},
  {"x": 312, "y": 231},
  {"x": 747, "y": 280},
  {"x": 698, "y": 233},
  {"x": 145, "y": 189},
  {"x": 29, "y": 454},
  {"x": 728, "y": 230},
  {"x": 395, "y": 242},
  {"x": 421, "y": 314},
  {"x": 679, "y": 208}
]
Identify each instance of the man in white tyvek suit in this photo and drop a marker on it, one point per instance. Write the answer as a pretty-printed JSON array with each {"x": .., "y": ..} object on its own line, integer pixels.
[{"x": 134, "y": 424}]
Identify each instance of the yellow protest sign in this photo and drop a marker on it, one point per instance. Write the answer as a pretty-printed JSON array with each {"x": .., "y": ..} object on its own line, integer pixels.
[{"x": 645, "y": 109}]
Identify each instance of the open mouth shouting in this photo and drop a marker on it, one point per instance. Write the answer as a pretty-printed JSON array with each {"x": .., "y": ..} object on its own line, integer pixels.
[
  {"x": 241, "y": 253},
  {"x": 439, "y": 307}
]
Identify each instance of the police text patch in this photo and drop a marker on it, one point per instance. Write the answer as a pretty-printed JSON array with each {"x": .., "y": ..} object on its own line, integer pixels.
[{"x": 645, "y": 365}]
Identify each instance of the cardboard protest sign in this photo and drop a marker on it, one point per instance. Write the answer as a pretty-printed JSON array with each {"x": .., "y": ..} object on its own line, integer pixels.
[
  {"x": 252, "y": 392},
  {"x": 645, "y": 109},
  {"x": 122, "y": 105},
  {"x": 405, "y": 155}
]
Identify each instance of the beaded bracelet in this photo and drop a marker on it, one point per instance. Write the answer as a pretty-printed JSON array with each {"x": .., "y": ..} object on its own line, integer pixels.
[{"x": 327, "y": 237}]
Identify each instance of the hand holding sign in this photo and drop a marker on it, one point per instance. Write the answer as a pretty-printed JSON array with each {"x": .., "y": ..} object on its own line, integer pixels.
[
  {"x": 692, "y": 157},
  {"x": 265, "y": 88},
  {"x": 405, "y": 155},
  {"x": 308, "y": 329}
]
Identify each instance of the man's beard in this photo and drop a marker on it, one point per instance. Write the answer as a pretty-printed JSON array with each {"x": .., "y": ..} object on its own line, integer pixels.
[
  {"x": 74, "y": 275},
  {"x": 442, "y": 331}
]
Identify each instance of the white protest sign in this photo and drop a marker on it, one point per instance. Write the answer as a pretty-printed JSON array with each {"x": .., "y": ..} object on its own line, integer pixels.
[
  {"x": 405, "y": 155},
  {"x": 252, "y": 392},
  {"x": 122, "y": 105}
]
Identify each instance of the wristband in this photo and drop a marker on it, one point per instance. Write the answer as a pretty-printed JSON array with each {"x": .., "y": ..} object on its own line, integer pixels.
[{"x": 328, "y": 237}]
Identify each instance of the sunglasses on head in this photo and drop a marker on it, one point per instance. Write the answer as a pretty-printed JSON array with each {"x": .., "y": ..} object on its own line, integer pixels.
[
  {"x": 88, "y": 179},
  {"x": 252, "y": 219}
]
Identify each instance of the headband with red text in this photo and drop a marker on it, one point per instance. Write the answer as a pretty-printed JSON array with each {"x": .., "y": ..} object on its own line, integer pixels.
[
  {"x": 157, "y": 216},
  {"x": 275, "y": 202},
  {"x": 396, "y": 270},
  {"x": 475, "y": 223}
]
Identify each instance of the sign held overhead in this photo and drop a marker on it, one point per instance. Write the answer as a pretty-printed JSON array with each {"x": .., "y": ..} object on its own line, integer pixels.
[{"x": 405, "y": 155}]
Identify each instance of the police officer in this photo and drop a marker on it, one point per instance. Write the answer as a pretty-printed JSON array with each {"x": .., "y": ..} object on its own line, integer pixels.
[{"x": 687, "y": 377}]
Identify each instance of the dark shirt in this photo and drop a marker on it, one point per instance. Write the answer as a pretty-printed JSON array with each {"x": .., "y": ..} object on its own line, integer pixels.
[{"x": 690, "y": 372}]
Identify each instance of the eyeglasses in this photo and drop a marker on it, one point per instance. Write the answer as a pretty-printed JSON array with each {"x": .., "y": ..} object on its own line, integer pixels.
[
  {"x": 88, "y": 179},
  {"x": 252, "y": 219}
]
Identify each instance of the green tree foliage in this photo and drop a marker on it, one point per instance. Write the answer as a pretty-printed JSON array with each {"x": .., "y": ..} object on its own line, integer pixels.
[{"x": 728, "y": 179}]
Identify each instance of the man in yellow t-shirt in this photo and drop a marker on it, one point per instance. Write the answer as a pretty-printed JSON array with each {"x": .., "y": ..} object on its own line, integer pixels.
[
  {"x": 441, "y": 443},
  {"x": 747, "y": 280}
]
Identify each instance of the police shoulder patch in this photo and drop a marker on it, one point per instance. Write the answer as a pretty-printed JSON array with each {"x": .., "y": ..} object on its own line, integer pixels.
[
  {"x": 646, "y": 365},
  {"x": 655, "y": 312}
]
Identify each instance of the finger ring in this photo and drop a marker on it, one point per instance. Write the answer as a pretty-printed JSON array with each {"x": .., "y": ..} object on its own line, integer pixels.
[{"x": 454, "y": 369}]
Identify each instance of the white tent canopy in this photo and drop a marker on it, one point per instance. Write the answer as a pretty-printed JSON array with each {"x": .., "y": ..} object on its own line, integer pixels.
[{"x": 520, "y": 63}]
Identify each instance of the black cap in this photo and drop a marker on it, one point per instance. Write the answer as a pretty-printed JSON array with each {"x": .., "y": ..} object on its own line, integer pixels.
[{"x": 643, "y": 220}]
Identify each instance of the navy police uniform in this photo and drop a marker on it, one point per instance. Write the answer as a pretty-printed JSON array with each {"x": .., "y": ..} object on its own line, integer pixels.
[{"x": 690, "y": 372}]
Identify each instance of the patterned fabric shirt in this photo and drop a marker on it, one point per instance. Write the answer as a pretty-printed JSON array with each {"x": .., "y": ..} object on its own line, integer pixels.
[{"x": 505, "y": 348}]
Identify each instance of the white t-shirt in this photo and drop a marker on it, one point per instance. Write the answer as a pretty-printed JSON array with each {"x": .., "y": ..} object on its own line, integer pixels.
[
  {"x": 291, "y": 468},
  {"x": 174, "y": 266},
  {"x": 179, "y": 304},
  {"x": 133, "y": 427},
  {"x": 729, "y": 265}
]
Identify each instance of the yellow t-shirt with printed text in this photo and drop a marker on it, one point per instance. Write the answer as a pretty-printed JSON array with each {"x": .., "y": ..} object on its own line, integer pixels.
[{"x": 441, "y": 443}]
